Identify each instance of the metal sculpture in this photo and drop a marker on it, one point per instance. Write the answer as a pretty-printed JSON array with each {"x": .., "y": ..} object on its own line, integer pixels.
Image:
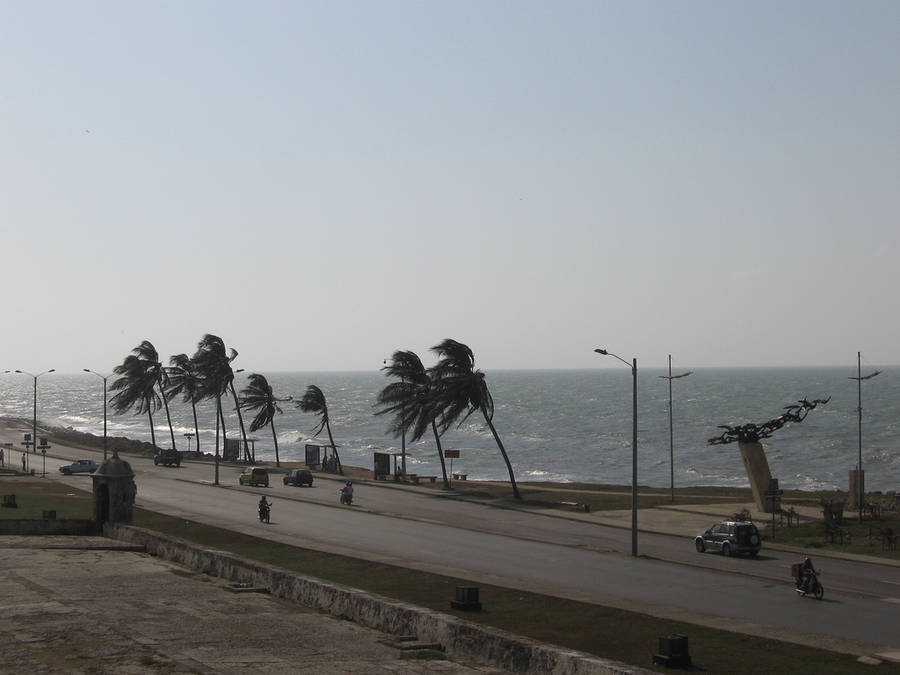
[{"x": 752, "y": 433}]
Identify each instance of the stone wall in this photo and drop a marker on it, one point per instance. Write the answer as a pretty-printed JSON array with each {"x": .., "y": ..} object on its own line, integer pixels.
[{"x": 481, "y": 644}]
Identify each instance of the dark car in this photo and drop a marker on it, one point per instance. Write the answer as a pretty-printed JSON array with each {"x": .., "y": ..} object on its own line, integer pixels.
[
  {"x": 167, "y": 457},
  {"x": 730, "y": 537},
  {"x": 298, "y": 477}
]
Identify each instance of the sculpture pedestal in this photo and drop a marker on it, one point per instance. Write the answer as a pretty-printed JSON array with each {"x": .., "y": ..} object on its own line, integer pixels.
[{"x": 758, "y": 472}]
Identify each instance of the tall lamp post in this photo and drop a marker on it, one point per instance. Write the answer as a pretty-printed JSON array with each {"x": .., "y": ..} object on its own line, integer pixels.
[
  {"x": 34, "y": 420},
  {"x": 634, "y": 465},
  {"x": 671, "y": 377},
  {"x": 859, "y": 470},
  {"x": 104, "y": 378}
]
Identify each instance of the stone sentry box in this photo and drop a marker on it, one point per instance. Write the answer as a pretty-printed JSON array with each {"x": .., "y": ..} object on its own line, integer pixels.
[{"x": 114, "y": 491}]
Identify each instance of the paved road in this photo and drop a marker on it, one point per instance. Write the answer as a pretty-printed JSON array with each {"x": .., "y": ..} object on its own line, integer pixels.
[{"x": 562, "y": 556}]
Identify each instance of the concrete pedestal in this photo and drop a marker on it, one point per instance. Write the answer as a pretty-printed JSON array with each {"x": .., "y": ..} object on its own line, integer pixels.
[
  {"x": 758, "y": 472},
  {"x": 853, "y": 498}
]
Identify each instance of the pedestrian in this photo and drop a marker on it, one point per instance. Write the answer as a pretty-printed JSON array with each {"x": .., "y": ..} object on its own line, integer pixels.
[
  {"x": 1, "y": 457},
  {"x": 24, "y": 462}
]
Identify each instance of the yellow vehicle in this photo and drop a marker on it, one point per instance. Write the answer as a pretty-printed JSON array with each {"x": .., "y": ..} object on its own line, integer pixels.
[{"x": 255, "y": 477}]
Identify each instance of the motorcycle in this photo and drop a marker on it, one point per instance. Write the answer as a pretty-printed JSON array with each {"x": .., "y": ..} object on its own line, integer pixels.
[
  {"x": 264, "y": 513},
  {"x": 812, "y": 586},
  {"x": 346, "y": 497}
]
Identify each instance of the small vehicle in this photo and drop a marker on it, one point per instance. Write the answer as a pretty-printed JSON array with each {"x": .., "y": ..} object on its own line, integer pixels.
[
  {"x": 167, "y": 457},
  {"x": 347, "y": 494},
  {"x": 810, "y": 585},
  {"x": 255, "y": 477},
  {"x": 79, "y": 466},
  {"x": 264, "y": 511},
  {"x": 730, "y": 537},
  {"x": 298, "y": 477}
]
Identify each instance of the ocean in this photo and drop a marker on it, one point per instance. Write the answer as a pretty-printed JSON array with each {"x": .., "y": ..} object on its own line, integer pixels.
[{"x": 556, "y": 425}]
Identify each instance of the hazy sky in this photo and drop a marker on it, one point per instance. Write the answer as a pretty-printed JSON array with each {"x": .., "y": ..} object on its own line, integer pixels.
[{"x": 322, "y": 183}]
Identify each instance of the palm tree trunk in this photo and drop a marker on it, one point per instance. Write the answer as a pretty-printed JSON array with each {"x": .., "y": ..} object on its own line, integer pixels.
[
  {"x": 437, "y": 439},
  {"x": 196, "y": 427},
  {"x": 275, "y": 439},
  {"x": 512, "y": 478},
  {"x": 241, "y": 422},
  {"x": 168, "y": 416},
  {"x": 334, "y": 449},
  {"x": 152, "y": 432},
  {"x": 218, "y": 415}
]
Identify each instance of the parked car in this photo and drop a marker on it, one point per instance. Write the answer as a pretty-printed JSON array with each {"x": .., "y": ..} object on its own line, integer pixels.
[
  {"x": 298, "y": 477},
  {"x": 79, "y": 466},
  {"x": 255, "y": 477},
  {"x": 730, "y": 537}
]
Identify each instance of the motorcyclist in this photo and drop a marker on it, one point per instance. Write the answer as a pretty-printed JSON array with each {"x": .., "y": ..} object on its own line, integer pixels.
[
  {"x": 264, "y": 505},
  {"x": 805, "y": 575},
  {"x": 347, "y": 492}
]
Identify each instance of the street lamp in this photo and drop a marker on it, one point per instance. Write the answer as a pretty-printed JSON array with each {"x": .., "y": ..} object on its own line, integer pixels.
[
  {"x": 102, "y": 377},
  {"x": 34, "y": 420},
  {"x": 859, "y": 470},
  {"x": 634, "y": 465},
  {"x": 671, "y": 377}
]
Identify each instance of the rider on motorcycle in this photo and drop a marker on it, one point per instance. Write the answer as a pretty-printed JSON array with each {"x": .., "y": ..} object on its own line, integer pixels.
[
  {"x": 347, "y": 492},
  {"x": 263, "y": 506},
  {"x": 805, "y": 575}
]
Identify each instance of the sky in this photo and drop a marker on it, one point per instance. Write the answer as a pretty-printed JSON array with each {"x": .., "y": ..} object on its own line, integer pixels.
[{"x": 323, "y": 183}]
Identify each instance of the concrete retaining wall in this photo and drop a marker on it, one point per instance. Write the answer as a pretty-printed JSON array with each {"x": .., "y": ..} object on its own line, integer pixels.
[
  {"x": 47, "y": 527},
  {"x": 488, "y": 646}
]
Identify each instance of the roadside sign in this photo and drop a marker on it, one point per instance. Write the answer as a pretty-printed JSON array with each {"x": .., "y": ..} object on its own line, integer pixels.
[{"x": 451, "y": 454}]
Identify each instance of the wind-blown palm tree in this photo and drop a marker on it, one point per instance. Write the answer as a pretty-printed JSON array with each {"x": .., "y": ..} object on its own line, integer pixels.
[
  {"x": 184, "y": 379},
  {"x": 136, "y": 390},
  {"x": 147, "y": 353},
  {"x": 313, "y": 401},
  {"x": 143, "y": 370},
  {"x": 458, "y": 389},
  {"x": 410, "y": 401},
  {"x": 258, "y": 397},
  {"x": 214, "y": 365}
]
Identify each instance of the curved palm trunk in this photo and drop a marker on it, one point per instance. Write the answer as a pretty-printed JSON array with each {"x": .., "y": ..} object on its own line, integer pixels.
[
  {"x": 218, "y": 416},
  {"x": 241, "y": 422},
  {"x": 152, "y": 432},
  {"x": 512, "y": 478},
  {"x": 275, "y": 439},
  {"x": 437, "y": 439},
  {"x": 196, "y": 427},
  {"x": 168, "y": 416},
  {"x": 334, "y": 449}
]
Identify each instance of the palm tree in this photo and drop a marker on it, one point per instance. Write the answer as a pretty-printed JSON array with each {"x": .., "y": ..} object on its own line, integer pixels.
[
  {"x": 258, "y": 397},
  {"x": 459, "y": 389},
  {"x": 136, "y": 390},
  {"x": 147, "y": 353},
  {"x": 184, "y": 379},
  {"x": 314, "y": 401},
  {"x": 409, "y": 401},
  {"x": 214, "y": 365}
]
